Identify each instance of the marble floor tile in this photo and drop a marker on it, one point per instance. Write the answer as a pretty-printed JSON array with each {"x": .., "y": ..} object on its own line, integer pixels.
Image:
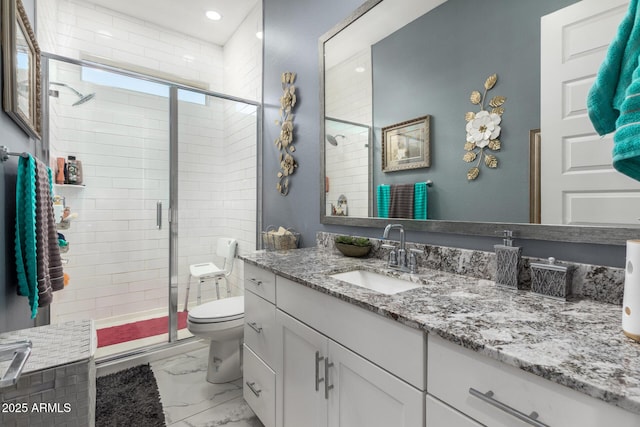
[
  {"x": 234, "y": 413},
  {"x": 189, "y": 400}
]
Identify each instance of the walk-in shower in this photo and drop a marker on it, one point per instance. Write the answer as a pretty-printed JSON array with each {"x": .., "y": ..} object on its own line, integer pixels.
[{"x": 167, "y": 170}]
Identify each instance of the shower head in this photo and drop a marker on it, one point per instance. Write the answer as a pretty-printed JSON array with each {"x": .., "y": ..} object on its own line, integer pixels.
[
  {"x": 83, "y": 98},
  {"x": 332, "y": 139}
]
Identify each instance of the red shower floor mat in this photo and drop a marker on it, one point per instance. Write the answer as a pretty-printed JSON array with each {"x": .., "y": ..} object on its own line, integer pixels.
[{"x": 137, "y": 330}]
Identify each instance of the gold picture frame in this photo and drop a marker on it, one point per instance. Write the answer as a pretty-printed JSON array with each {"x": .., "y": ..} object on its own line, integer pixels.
[
  {"x": 21, "y": 58},
  {"x": 534, "y": 177},
  {"x": 406, "y": 145}
]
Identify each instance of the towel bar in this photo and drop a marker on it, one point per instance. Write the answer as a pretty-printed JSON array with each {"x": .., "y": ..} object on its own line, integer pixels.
[{"x": 5, "y": 153}]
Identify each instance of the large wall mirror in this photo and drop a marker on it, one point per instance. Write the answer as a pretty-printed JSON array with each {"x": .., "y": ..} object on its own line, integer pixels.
[{"x": 393, "y": 61}]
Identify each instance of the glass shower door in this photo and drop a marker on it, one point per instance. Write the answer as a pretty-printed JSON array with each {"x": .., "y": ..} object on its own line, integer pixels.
[
  {"x": 217, "y": 179},
  {"x": 117, "y": 125}
]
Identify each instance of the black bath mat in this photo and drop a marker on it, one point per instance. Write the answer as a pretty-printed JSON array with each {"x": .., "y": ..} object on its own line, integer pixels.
[{"x": 129, "y": 398}]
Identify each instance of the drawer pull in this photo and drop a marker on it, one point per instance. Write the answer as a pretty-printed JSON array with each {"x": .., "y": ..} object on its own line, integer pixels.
[
  {"x": 318, "y": 379},
  {"x": 327, "y": 387},
  {"x": 252, "y": 387},
  {"x": 255, "y": 281},
  {"x": 255, "y": 327},
  {"x": 488, "y": 398}
]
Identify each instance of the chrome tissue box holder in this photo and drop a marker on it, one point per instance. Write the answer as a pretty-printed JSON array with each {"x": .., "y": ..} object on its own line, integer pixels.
[{"x": 551, "y": 279}]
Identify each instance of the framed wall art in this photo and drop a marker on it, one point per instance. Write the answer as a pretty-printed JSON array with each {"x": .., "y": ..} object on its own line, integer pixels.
[{"x": 406, "y": 145}]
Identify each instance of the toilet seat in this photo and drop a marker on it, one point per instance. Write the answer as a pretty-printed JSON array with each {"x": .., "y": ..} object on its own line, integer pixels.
[{"x": 219, "y": 311}]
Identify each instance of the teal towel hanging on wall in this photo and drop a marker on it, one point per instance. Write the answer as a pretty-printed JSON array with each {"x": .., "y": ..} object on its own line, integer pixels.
[
  {"x": 25, "y": 232},
  {"x": 383, "y": 198},
  {"x": 420, "y": 200}
]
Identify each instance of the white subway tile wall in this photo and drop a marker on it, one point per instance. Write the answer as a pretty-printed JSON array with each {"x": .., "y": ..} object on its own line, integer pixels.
[{"x": 118, "y": 259}]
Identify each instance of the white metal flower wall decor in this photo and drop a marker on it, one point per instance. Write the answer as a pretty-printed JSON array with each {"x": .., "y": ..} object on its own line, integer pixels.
[
  {"x": 284, "y": 141},
  {"x": 483, "y": 129}
]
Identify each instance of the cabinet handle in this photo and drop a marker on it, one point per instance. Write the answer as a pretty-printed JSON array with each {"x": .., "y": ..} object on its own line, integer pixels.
[
  {"x": 255, "y": 281},
  {"x": 488, "y": 398},
  {"x": 252, "y": 387},
  {"x": 327, "y": 387},
  {"x": 159, "y": 214},
  {"x": 255, "y": 327},
  {"x": 318, "y": 379}
]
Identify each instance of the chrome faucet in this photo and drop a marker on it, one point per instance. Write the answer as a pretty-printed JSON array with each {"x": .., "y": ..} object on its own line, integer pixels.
[{"x": 398, "y": 256}]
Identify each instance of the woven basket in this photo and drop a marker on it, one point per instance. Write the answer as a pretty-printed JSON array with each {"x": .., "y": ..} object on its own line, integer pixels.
[{"x": 277, "y": 242}]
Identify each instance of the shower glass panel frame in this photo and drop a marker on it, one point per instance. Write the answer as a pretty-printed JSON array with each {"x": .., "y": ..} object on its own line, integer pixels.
[{"x": 177, "y": 275}]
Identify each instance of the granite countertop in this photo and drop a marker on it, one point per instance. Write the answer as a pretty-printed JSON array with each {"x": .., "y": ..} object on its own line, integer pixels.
[
  {"x": 54, "y": 345},
  {"x": 578, "y": 344}
]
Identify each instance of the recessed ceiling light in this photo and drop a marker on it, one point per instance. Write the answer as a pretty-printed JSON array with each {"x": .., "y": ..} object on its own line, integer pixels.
[
  {"x": 360, "y": 69},
  {"x": 213, "y": 15},
  {"x": 259, "y": 35}
]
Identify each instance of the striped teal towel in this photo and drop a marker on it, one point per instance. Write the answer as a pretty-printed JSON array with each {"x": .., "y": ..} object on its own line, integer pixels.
[
  {"x": 25, "y": 238},
  {"x": 420, "y": 200},
  {"x": 613, "y": 102},
  {"x": 384, "y": 195}
]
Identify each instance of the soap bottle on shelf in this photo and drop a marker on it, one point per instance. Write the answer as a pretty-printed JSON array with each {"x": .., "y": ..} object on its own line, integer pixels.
[
  {"x": 74, "y": 171},
  {"x": 60, "y": 166},
  {"x": 508, "y": 259}
]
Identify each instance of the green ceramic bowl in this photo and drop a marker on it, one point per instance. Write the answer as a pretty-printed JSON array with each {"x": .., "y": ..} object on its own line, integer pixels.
[{"x": 353, "y": 251}]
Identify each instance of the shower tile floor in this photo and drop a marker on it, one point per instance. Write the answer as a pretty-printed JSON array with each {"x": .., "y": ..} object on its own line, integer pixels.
[{"x": 190, "y": 401}]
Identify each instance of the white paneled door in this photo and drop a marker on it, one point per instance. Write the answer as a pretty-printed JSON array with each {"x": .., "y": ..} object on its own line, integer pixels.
[{"x": 578, "y": 183}]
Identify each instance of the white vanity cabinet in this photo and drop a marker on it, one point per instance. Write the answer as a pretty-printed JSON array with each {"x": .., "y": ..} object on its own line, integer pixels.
[
  {"x": 260, "y": 343},
  {"x": 341, "y": 365},
  {"x": 500, "y": 390},
  {"x": 331, "y": 363},
  {"x": 321, "y": 383}
]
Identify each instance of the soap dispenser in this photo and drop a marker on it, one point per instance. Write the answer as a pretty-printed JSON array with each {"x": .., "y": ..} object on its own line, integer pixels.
[{"x": 507, "y": 261}]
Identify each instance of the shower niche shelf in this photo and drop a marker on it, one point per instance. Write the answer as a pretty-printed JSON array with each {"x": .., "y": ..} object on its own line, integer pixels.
[{"x": 69, "y": 185}]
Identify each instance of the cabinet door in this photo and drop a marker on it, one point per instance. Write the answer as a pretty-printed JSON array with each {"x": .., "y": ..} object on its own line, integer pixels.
[
  {"x": 362, "y": 394},
  {"x": 300, "y": 375}
]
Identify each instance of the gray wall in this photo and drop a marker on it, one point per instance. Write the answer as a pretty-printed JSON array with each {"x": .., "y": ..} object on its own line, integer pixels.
[
  {"x": 292, "y": 29},
  {"x": 14, "y": 309},
  {"x": 443, "y": 56}
]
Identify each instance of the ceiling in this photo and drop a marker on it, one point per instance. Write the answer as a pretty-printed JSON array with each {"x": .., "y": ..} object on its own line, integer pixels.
[{"x": 187, "y": 16}]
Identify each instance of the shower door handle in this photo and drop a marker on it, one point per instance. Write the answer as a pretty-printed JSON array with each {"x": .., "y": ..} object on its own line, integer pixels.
[{"x": 159, "y": 215}]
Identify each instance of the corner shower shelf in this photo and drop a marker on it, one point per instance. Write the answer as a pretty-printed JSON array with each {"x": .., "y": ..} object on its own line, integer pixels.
[{"x": 70, "y": 185}]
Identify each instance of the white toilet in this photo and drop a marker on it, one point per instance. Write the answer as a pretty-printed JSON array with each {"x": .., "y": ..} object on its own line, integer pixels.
[{"x": 222, "y": 322}]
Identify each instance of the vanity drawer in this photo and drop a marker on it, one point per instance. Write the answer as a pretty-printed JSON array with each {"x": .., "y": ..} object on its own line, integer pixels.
[
  {"x": 260, "y": 281},
  {"x": 397, "y": 348},
  {"x": 453, "y": 370},
  {"x": 259, "y": 387},
  {"x": 259, "y": 327}
]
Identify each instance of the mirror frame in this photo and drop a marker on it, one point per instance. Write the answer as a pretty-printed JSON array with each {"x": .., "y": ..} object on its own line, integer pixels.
[
  {"x": 14, "y": 20},
  {"x": 557, "y": 233}
]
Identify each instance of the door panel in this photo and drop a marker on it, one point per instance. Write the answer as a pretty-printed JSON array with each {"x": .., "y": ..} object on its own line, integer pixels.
[
  {"x": 365, "y": 395},
  {"x": 300, "y": 375},
  {"x": 578, "y": 183}
]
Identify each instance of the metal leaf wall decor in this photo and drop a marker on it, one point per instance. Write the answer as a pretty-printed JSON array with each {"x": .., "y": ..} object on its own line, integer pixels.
[
  {"x": 284, "y": 141},
  {"x": 483, "y": 129}
]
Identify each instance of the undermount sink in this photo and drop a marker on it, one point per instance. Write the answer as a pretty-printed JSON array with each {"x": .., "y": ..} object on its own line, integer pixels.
[{"x": 375, "y": 281}]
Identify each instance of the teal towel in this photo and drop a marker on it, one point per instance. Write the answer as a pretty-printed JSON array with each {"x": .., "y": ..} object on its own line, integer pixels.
[
  {"x": 25, "y": 238},
  {"x": 384, "y": 195},
  {"x": 420, "y": 200},
  {"x": 613, "y": 102},
  {"x": 605, "y": 97}
]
